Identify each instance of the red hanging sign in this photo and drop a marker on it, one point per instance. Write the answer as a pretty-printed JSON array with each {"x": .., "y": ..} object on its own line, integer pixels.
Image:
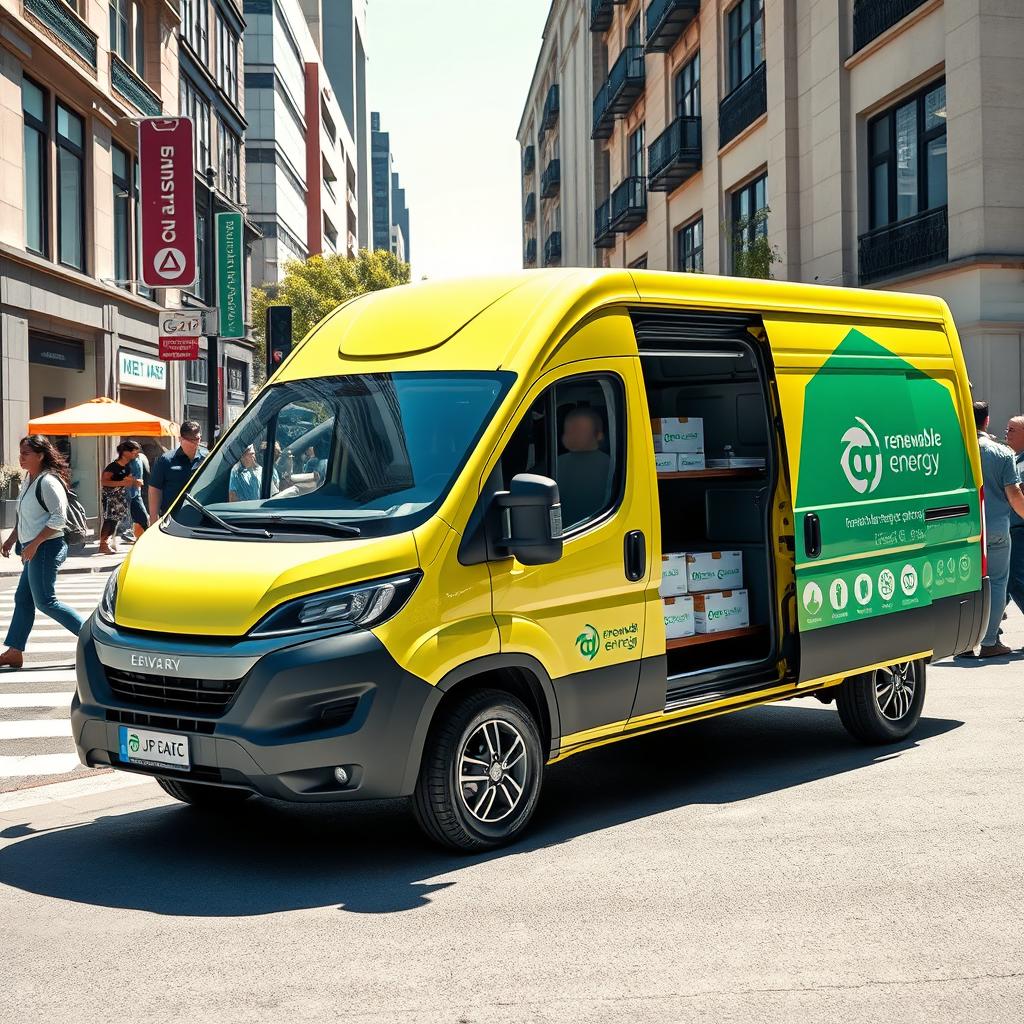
[
  {"x": 179, "y": 348},
  {"x": 168, "y": 201}
]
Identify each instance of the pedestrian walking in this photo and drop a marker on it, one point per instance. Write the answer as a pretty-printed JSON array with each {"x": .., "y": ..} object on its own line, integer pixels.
[
  {"x": 1015, "y": 584},
  {"x": 173, "y": 469},
  {"x": 38, "y": 537},
  {"x": 139, "y": 468},
  {"x": 1001, "y": 477},
  {"x": 117, "y": 479}
]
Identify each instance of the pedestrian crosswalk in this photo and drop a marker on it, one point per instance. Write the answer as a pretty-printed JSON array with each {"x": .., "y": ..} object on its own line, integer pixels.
[{"x": 35, "y": 728}]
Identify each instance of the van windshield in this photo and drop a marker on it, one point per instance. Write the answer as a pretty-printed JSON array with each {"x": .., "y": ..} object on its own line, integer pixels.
[{"x": 376, "y": 452}]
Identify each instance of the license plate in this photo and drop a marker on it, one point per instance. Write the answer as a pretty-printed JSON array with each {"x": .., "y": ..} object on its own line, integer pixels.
[{"x": 154, "y": 749}]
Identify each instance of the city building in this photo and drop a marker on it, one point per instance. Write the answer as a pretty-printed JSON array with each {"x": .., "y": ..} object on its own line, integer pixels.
[
  {"x": 390, "y": 212},
  {"x": 74, "y": 322},
  {"x": 400, "y": 214},
  {"x": 300, "y": 157},
  {"x": 876, "y": 143}
]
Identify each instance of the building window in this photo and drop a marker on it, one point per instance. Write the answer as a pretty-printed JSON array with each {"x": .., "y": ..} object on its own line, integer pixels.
[
  {"x": 236, "y": 380},
  {"x": 636, "y": 153},
  {"x": 687, "y": 88},
  {"x": 749, "y": 215},
  {"x": 746, "y": 40},
  {"x": 227, "y": 59},
  {"x": 633, "y": 36},
  {"x": 690, "y": 247},
  {"x": 121, "y": 167},
  {"x": 35, "y": 107},
  {"x": 202, "y": 270},
  {"x": 70, "y": 188},
  {"x": 229, "y": 162},
  {"x": 127, "y": 35},
  {"x": 195, "y": 26},
  {"x": 143, "y": 290},
  {"x": 195, "y": 106},
  {"x": 195, "y": 371},
  {"x": 907, "y": 157}
]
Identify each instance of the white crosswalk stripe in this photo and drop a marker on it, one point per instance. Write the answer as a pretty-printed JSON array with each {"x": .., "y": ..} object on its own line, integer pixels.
[{"x": 35, "y": 702}]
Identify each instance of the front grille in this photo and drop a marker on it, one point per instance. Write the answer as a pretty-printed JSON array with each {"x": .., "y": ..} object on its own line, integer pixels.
[
  {"x": 140, "y": 720},
  {"x": 173, "y": 694}
]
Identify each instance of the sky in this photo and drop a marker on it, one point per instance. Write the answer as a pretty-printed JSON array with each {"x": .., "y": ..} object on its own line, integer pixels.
[{"x": 450, "y": 79}]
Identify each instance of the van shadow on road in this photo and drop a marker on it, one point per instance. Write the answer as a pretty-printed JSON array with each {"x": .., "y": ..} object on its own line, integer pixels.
[{"x": 266, "y": 857}]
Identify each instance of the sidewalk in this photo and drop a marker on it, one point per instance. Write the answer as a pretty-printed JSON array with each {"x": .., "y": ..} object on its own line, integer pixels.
[{"x": 86, "y": 560}]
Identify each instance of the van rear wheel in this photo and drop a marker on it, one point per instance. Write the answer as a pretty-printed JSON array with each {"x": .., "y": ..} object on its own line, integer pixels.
[
  {"x": 481, "y": 773},
  {"x": 203, "y": 796},
  {"x": 885, "y": 705}
]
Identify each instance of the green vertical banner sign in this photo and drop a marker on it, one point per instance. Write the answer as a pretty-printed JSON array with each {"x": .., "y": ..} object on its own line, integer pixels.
[{"x": 230, "y": 274}]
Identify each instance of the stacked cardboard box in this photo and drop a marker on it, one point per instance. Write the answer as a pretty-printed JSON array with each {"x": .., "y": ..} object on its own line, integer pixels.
[
  {"x": 678, "y": 443},
  {"x": 703, "y": 592}
]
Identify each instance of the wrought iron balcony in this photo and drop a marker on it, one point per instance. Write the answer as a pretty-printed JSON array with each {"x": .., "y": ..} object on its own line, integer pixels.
[
  {"x": 530, "y": 253},
  {"x": 66, "y": 26},
  {"x": 666, "y": 20},
  {"x": 624, "y": 87},
  {"x": 530, "y": 209},
  {"x": 674, "y": 155},
  {"x": 529, "y": 160},
  {"x": 743, "y": 106},
  {"x": 873, "y": 17},
  {"x": 551, "y": 180},
  {"x": 604, "y": 237},
  {"x": 601, "y": 13},
  {"x": 128, "y": 84},
  {"x": 553, "y": 249},
  {"x": 629, "y": 205},
  {"x": 915, "y": 242},
  {"x": 550, "y": 117}
]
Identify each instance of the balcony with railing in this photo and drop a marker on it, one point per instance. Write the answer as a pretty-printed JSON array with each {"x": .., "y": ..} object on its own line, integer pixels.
[
  {"x": 873, "y": 17},
  {"x": 550, "y": 116},
  {"x": 127, "y": 84},
  {"x": 529, "y": 160},
  {"x": 666, "y": 20},
  {"x": 604, "y": 237},
  {"x": 675, "y": 155},
  {"x": 530, "y": 253},
  {"x": 629, "y": 205},
  {"x": 625, "y": 85},
  {"x": 743, "y": 106},
  {"x": 553, "y": 249},
  {"x": 601, "y": 14},
  {"x": 66, "y": 27},
  {"x": 530, "y": 208},
  {"x": 551, "y": 180},
  {"x": 906, "y": 245}
]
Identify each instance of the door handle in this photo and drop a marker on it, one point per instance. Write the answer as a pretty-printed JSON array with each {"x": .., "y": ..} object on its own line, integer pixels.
[
  {"x": 812, "y": 535},
  {"x": 634, "y": 551}
]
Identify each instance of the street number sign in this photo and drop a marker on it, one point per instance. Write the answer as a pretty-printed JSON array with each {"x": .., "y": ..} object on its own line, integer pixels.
[
  {"x": 168, "y": 202},
  {"x": 230, "y": 272},
  {"x": 180, "y": 330}
]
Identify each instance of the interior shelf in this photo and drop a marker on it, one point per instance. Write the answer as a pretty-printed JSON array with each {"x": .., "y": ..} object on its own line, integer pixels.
[
  {"x": 704, "y": 638},
  {"x": 707, "y": 474}
]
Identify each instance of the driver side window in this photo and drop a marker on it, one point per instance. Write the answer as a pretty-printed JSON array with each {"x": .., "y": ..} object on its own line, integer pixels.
[{"x": 574, "y": 433}]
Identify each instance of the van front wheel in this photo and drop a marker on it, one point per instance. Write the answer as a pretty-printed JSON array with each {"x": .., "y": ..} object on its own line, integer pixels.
[
  {"x": 481, "y": 773},
  {"x": 885, "y": 705}
]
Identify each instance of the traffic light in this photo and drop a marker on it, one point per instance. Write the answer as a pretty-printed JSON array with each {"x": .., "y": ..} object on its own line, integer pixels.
[{"x": 279, "y": 336}]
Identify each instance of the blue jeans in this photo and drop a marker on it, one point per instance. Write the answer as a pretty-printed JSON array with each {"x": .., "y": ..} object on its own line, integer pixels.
[
  {"x": 36, "y": 590},
  {"x": 998, "y": 574},
  {"x": 1015, "y": 586}
]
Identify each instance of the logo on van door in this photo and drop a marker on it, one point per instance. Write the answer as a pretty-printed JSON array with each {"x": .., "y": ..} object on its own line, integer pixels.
[
  {"x": 861, "y": 460},
  {"x": 589, "y": 642}
]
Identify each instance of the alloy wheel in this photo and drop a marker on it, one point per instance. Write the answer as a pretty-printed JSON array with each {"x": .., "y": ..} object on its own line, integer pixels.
[
  {"x": 493, "y": 769},
  {"x": 895, "y": 687}
]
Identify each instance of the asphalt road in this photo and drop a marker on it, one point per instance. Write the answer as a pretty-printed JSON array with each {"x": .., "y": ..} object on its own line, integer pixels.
[{"x": 757, "y": 867}]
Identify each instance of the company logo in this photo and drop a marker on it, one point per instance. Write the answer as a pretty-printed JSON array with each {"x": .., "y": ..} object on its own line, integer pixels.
[
  {"x": 926, "y": 575},
  {"x": 965, "y": 566},
  {"x": 813, "y": 599},
  {"x": 133, "y": 742},
  {"x": 886, "y": 584},
  {"x": 861, "y": 461},
  {"x": 908, "y": 580},
  {"x": 838, "y": 594},
  {"x": 589, "y": 642},
  {"x": 862, "y": 588}
]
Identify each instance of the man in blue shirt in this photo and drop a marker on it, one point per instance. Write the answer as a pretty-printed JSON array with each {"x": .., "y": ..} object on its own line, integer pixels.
[
  {"x": 174, "y": 469},
  {"x": 138, "y": 468},
  {"x": 246, "y": 478},
  {"x": 1015, "y": 587}
]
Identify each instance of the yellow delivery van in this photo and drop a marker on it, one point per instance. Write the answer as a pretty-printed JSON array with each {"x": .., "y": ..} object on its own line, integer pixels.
[{"x": 472, "y": 528}]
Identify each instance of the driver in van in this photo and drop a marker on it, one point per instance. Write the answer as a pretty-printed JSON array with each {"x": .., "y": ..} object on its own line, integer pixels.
[{"x": 583, "y": 467}]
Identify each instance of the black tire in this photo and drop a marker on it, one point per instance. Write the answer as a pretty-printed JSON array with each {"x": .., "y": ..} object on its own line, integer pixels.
[
  {"x": 885, "y": 705},
  {"x": 465, "y": 816},
  {"x": 203, "y": 796}
]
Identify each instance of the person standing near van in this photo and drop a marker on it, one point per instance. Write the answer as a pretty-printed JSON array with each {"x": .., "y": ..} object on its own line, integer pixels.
[
  {"x": 117, "y": 479},
  {"x": 173, "y": 469},
  {"x": 38, "y": 537},
  {"x": 1015, "y": 585},
  {"x": 1001, "y": 477}
]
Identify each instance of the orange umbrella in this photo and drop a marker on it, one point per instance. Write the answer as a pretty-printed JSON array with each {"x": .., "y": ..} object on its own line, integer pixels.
[{"x": 103, "y": 417}]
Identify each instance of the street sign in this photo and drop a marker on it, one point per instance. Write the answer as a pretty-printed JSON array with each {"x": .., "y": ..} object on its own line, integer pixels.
[
  {"x": 180, "y": 329},
  {"x": 139, "y": 371},
  {"x": 168, "y": 202},
  {"x": 230, "y": 271}
]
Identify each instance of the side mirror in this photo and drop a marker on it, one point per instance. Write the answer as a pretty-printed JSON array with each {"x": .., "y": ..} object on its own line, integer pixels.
[{"x": 529, "y": 516}]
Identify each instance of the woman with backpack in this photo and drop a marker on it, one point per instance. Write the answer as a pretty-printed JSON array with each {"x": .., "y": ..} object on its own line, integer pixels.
[{"x": 39, "y": 538}]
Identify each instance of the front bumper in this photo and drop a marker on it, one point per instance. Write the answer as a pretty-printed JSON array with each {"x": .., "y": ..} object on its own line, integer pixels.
[{"x": 290, "y": 723}]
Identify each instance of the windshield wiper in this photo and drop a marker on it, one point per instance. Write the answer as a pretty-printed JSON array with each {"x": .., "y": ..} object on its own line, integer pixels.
[
  {"x": 223, "y": 523},
  {"x": 324, "y": 525}
]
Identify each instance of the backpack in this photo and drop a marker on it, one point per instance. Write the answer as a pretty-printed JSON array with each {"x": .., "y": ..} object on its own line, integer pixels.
[{"x": 77, "y": 528}]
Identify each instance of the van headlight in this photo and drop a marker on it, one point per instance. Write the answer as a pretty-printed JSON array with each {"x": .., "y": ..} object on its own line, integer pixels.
[
  {"x": 108, "y": 600},
  {"x": 358, "y": 607}
]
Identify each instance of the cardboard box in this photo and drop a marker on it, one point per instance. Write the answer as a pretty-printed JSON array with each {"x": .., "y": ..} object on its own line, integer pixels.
[
  {"x": 678, "y": 434},
  {"x": 688, "y": 461},
  {"x": 714, "y": 570},
  {"x": 720, "y": 610},
  {"x": 673, "y": 574},
  {"x": 666, "y": 462},
  {"x": 679, "y": 619}
]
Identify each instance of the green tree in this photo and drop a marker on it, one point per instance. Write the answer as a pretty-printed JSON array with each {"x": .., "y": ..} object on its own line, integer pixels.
[
  {"x": 317, "y": 286},
  {"x": 754, "y": 256}
]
